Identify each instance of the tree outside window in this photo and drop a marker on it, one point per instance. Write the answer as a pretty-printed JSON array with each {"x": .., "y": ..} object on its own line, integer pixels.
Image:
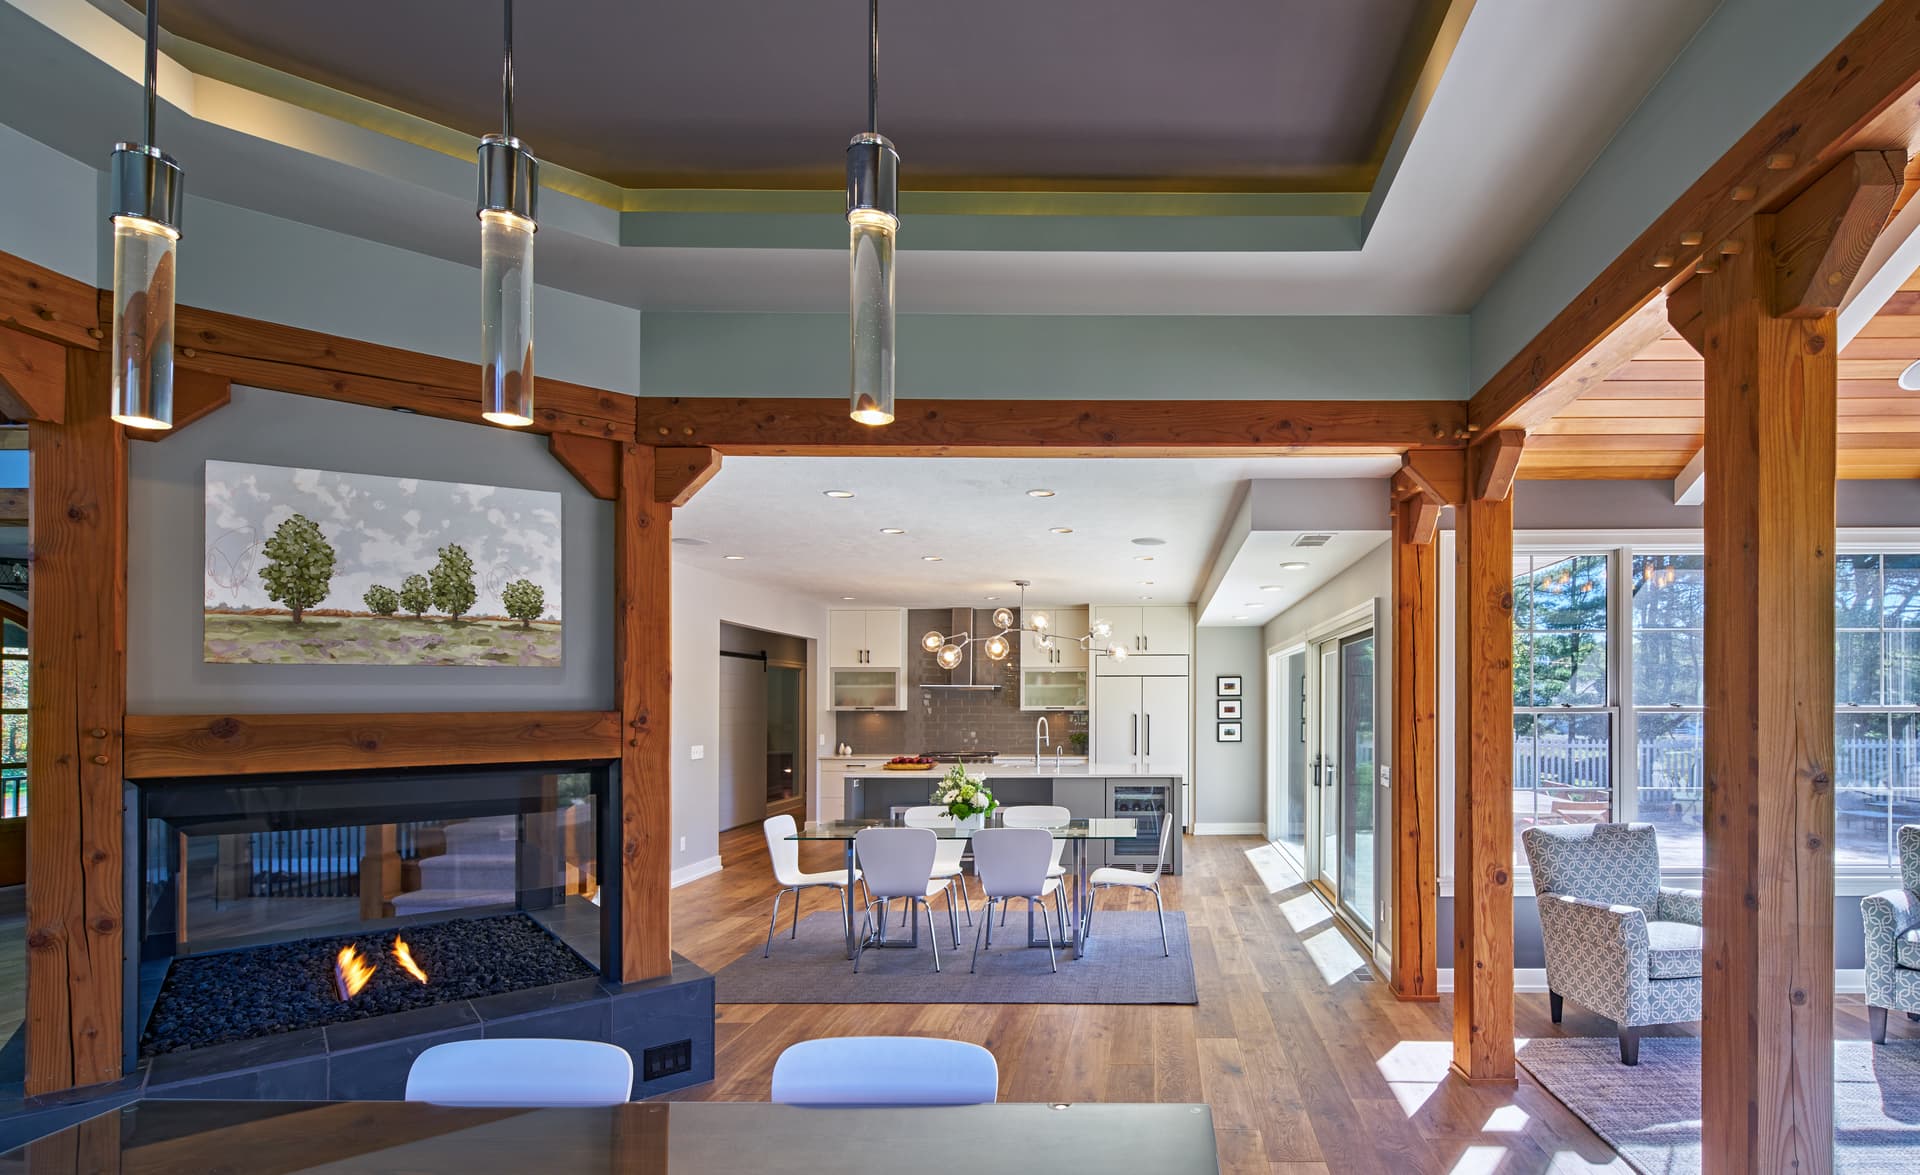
[{"x": 1562, "y": 694}]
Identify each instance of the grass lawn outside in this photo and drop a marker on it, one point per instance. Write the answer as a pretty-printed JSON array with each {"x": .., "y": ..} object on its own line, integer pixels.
[{"x": 274, "y": 639}]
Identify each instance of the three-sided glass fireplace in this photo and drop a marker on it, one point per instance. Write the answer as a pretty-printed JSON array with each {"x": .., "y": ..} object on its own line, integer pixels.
[{"x": 259, "y": 898}]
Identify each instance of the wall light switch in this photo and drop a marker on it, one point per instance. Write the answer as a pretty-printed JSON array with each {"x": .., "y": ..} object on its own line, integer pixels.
[
  {"x": 699, "y": 752},
  {"x": 683, "y": 844}
]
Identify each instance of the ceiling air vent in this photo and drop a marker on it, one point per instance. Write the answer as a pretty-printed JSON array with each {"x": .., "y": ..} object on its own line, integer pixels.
[{"x": 1313, "y": 540}]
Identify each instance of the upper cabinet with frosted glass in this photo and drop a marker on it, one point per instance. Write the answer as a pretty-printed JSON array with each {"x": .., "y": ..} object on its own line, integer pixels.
[
  {"x": 1054, "y": 676},
  {"x": 866, "y": 658}
]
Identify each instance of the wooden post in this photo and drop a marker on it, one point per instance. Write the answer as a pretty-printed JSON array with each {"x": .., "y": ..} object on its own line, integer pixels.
[
  {"x": 1767, "y": 1030},
  {"x": 75, "y": 718},
  {"x": 1483, "y": 774},
  {"x": 380, "y": 870},
  {"x": 643, "y": 657},
  {"x": 1416, "y": 586}
]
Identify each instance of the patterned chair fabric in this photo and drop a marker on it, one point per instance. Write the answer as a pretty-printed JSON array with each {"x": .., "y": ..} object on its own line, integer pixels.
[
  {"x": 1892, "y": 921},
  {"x": 1616, "y": 940}
]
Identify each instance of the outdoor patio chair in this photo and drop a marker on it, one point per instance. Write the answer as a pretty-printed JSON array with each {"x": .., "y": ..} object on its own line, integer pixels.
[{"x": 1618, "y": 942}]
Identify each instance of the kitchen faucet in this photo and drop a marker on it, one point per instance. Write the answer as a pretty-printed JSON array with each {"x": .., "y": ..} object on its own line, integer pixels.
[{"x": 1041, "y": 734}]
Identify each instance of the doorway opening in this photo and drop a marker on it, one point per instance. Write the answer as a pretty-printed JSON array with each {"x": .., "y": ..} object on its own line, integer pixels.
[{"x": 763, "y": 725}]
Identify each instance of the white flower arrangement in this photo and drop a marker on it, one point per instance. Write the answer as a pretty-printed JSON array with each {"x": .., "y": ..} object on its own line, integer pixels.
[{"x": 964, "y": 795}]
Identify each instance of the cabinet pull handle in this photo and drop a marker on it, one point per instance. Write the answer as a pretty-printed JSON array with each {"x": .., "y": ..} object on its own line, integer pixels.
[
  {"x": 1149, "y": 734},
  {"x": 1136, "y": 735}
]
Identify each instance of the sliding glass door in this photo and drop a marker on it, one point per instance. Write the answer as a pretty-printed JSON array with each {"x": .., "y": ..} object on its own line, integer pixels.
[
  {"x": 1356, "y": 779},
  {"x": 1338, "y": 842}
]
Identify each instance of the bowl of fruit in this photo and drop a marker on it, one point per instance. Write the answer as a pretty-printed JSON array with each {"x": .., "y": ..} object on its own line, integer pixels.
[{"x": 911, "y": 763}]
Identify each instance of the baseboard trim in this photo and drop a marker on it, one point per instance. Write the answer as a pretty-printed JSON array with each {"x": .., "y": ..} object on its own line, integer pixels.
[
  {"x": 1254, "y": 828},
  {"x": 695, "y": 871},
  {"x": 1846, "y": 981}
]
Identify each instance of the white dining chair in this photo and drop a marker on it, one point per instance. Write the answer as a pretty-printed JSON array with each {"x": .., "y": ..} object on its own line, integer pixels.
[
  {"x": 947, "y": 854},
  {"x": 785, "y": 855},
  {"x": 885, "y": 1071},
  {"x": 530, "y": 1071},
  {"x": 1041, "y": 816},
  {"x": 898, "y": 863},
  {"x": 1012, "y": 863},
  {"x": 1115, "y": 878}
]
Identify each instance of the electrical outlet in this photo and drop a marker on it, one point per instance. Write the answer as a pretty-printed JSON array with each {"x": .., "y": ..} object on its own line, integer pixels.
[
  {"x": 699, "y": 752},
  {"x": 664, "y": 1060}
]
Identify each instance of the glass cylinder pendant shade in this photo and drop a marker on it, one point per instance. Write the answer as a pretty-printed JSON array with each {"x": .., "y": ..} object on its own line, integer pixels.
[
  {"x": 146, "y": 216},
  {"x": 509, "y": 188},
  {"x": 506, "y": 318},
  {"x": 872, "y": 224}
]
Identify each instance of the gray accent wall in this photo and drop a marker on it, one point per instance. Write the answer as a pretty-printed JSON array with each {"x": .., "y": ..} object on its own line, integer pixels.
[
  {"x": 1229, "y": 786},
  {"x": 166, "y": 575}
]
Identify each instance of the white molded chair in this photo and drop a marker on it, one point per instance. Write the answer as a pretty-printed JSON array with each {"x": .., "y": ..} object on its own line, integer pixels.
[
  {"x": 897, "y": 863},
  {"x": 785, "y": 855},
  {"x": 1041, "y": 816},
  {"x": 947, "y": 854},
  {"x": 1012, "y": 863},
  {"x": 535, "y": 1071},
  {"x": 885, "y": 1071},
  {"x": 1114, "y": 878}
]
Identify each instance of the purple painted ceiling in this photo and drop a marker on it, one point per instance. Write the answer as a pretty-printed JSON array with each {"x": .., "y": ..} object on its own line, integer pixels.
[{"x": 1281, "y": 93}]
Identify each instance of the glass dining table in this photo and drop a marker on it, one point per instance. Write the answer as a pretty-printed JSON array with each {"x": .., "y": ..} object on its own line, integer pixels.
[{"x": 1076, "y": 833}]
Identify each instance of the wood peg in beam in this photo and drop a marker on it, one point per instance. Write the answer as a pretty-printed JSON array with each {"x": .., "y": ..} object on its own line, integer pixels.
[
  {"x": 98, "y": 732},
  {"x": 1689, "y": 240},
  {"x": 1743, "y": 193},
  {"x": 1663, "y": 261},
  {"x": 1780, "y": 161}
]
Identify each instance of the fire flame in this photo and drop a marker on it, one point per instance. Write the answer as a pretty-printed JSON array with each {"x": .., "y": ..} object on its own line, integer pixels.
[
  {"x": 403, "y": 956},
  {"x": 350, "y": 972}
]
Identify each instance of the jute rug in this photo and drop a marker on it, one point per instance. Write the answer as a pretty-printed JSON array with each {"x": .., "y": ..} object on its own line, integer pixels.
[
  {"x": 1650, "y": 1113},
  {"x": 1125, "y": 966}
]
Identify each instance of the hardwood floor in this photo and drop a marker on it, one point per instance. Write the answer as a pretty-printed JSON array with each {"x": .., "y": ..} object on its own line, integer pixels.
[{"x": 1308, "y": 1061}]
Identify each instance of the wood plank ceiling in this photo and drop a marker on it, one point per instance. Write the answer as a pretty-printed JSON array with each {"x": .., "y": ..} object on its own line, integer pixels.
[{"x": 1648, "y": 418}]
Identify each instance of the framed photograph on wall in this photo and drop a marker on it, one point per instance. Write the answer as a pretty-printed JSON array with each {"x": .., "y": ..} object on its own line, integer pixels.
[
  {"x": 1227, "y": 687},
  {"x": 1227, "y": 708},
  {"x": 1228, "y": 732}
]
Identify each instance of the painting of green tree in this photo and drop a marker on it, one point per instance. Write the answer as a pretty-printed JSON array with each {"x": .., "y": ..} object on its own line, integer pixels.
[{"x": 307, "y": 566}]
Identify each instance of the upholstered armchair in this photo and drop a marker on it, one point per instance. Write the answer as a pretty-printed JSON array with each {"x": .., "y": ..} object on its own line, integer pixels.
[
  {"x": 1892, "y": 919},
  {"x": 1617, "y": 941}
]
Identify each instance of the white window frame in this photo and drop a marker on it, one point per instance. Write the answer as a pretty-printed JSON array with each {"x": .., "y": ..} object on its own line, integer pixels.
[{"x": 1621, "y": 546}]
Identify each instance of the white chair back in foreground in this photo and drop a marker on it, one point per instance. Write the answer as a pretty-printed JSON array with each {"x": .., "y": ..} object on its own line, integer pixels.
[
  {"x": 885, "y": 1071},
  {"x": 532, "y": 1071}
]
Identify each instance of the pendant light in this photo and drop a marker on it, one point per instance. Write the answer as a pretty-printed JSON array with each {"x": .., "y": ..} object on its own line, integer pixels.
[
  {"x": 873, "y": 220},
  {"x": 147, "y": 191},
  {"x": 509, "y": 191}
]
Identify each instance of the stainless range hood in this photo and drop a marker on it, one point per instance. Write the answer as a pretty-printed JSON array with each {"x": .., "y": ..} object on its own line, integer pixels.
[{"x": 961, "y": 676}]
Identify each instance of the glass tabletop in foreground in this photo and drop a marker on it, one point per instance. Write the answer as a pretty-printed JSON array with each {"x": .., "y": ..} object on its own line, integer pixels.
[{"x": 1109, "y": 828}]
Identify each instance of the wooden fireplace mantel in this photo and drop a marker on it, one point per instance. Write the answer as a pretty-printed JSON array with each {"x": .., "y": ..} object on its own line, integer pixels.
[{"x": 160, "y": 746}]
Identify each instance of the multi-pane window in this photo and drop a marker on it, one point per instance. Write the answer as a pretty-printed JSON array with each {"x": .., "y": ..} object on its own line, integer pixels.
[
  {"x": 1669, "y": 618},
  {"x": 1877, "y": 699},
  {"x": 1562, "y": 692},
  {"x": 13, "y": 721}
]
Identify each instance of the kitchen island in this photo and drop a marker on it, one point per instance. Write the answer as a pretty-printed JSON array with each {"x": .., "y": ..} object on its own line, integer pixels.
[{"x": 1087, "y": 790}]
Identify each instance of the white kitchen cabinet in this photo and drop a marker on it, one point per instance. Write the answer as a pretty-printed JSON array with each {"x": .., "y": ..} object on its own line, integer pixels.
[
  {"x": 1065, "y": 654},
  {"x": 1143, "y": 665},
  {"x": 1166, "y": 629},
  {"x": 867, "y": 636},
  {"x": 1142, "y": 720},
  {"x": 830, "y": 792}
]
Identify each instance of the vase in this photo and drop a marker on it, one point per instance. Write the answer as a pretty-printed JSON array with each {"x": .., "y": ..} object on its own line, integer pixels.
[{"x": 973, "y": 823}]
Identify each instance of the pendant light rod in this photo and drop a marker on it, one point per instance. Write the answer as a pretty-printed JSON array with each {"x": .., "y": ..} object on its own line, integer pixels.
[
  {"x": 153, "y": 65},
  {"x": 873, "y": 66},
  {"x": 506, "y": 74}
]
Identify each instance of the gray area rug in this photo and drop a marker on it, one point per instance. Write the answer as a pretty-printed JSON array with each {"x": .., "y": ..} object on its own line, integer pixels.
[
  {"x": 1651, "y": 1113},
  {"x": 1125, "y": 966}
]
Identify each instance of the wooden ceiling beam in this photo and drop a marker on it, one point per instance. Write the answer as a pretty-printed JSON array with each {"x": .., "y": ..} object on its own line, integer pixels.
[
  {"x": 1857, "y": 98},
  {"x": 1625, "y": 342},
  {"x": 680, "y": 471},
  {"x": 818, "y": 426},
  {"x": 1822, "y": 237},
  {"x": 1496, "y": 462},
  {"x": 196, "y": 396},
  {"x": 33, "y": 378},
  {"x": 593, "y": 461},
  {"x": 52, "y": 305}
]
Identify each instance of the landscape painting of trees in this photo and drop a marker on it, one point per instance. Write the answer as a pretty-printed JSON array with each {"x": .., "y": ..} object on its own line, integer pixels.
[{"x": 312, "y": 567}]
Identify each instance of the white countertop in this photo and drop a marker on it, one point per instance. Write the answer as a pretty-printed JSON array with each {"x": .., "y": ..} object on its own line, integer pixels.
[{"x": 992, "y": 771}]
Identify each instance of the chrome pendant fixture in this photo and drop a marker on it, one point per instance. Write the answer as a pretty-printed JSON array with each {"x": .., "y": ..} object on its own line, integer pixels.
[
  {"x": 873, "y": 221},
  {"x": 148, "y": 187},
  {"x": 948, "y": 647},
  {"x": 509, "y": 192}
]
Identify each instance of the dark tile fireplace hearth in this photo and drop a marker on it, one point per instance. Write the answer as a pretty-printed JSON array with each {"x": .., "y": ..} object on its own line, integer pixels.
[{"x": 247, "y": 888}]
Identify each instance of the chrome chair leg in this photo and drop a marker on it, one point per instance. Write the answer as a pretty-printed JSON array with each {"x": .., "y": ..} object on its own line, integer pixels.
[
  {"x": 796, "y": 915},
  {"x": 1046, "y": 925},
  {"x": 1162, "y": 911},
  {"x": 933, "y": 934},
  {"x": 1093, "y": 897},
  {"x": 953, "y": 918},
  {"x": 775, "y": 921},
  {"x": 986, "y": 924}
]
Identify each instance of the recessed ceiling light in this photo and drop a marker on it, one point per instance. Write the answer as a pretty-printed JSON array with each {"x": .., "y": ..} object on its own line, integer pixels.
[
  {"x": 1143, "y": 558},
  {"x": 1146, "y": 597},
  {"x": 1243, "y": 618},
  {"x": 838, "y": 493},
  {"x": 993, "y": 597},
  {"x": 1146, "y": 583},
  {"x": 1271, "y": 587},
  {"x": 1149, "y": 542},
  {"x": 846, "y": 597},
  {"x": 891, "y": 530},
  {"x": 930, "y": 558},
  {"x": 736, "y": 557},
  {"x": 691, "y": 542},
  {"x": 1039, "y": 493},
  {"x": 1063, "y": 530},
  {"x": 1293, "y": 566},
  {"x": 1910, "y": 378}
]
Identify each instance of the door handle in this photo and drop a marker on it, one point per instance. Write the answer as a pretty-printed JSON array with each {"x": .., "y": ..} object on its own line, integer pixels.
[
  {"x": 1149, "y": 734},
  {"x": 1136, "y": 735}
]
